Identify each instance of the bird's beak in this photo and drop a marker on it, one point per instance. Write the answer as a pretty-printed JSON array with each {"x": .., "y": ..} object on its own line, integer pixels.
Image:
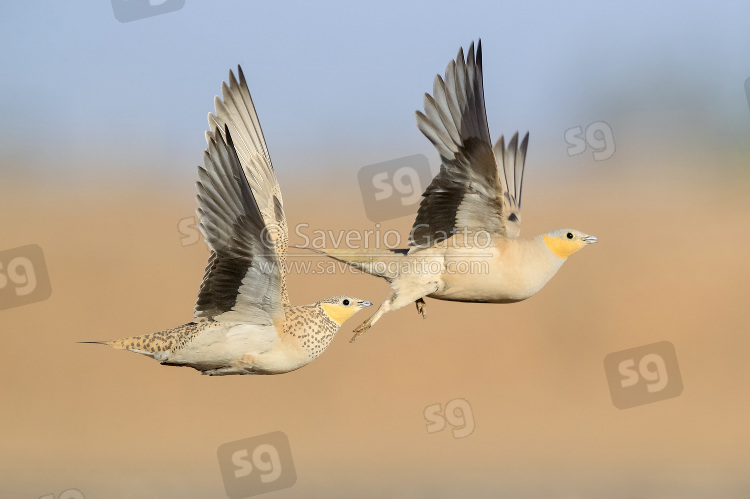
[
  {"x": 365, "y": 303},
  {"x": 590, "y": 239}
]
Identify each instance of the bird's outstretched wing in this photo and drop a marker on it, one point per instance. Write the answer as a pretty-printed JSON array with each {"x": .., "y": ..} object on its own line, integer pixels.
[
  {"x": 478, "y": 187},
  {"x": 243, "y": 278},
  {"x": 235, "y": 111}
]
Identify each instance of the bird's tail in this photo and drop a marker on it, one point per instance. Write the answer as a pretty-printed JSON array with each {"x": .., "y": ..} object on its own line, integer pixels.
[
  {"x": 155, "y": 344},
  {"x": 137, "y": 344},
  {"x": 108, "y": 343},
  {"x": 377, "y": 262}
]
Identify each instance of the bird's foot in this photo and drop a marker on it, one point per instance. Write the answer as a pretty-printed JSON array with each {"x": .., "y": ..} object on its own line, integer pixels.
[
  {"x": 361, "y": 329},
  {"x": 421, "y": 307}
]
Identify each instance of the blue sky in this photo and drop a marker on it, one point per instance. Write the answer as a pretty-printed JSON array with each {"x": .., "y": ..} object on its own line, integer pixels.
[{"x": 338, "y": 82}]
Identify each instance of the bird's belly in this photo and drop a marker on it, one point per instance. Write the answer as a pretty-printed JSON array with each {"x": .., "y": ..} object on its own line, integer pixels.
[
  {"x": 278, "y": 360},
  {"x": 248, "y": 349},
  {"x": 488, "y": 281},
  {"x": 482, "y": 291}
]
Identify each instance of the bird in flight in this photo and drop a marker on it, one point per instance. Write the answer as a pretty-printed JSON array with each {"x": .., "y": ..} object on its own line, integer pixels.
[
  {"x": 464, "y": 244},
  {"x": 244, "y": 323}
]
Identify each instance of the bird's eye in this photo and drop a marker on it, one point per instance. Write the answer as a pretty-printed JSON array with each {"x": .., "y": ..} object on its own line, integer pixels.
[
  {"x": 570, "y": 235},
  {"x": 345, "y": 302}
]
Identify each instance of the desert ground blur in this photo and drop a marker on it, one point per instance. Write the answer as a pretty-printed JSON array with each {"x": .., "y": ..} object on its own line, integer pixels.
[{"x": 671, "y": 265}]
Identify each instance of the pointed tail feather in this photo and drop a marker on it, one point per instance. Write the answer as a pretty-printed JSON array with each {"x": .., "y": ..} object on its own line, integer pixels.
[
  {"x": 377, "y": 262},
  {"x": 156, "y": 343},
  {"x": 125, "y": 344}
]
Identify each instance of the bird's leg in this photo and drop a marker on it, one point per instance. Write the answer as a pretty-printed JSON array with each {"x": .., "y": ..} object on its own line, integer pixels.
[
  {"x": 385, "y": 307},
  {"x": 360, "y": 330},
  {"x": 394, "y": 302},
  {"x": 421, "y": 306}
]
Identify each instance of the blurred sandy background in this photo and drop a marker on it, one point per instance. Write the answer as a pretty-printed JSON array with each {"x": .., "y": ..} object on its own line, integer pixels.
[
  {"x": 102, "y": 128},
  {"x": 112, "y": 424}
]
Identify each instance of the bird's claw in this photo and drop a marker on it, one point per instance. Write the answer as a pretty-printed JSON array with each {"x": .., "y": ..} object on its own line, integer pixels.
[
  {"x": 421, "y": 308},
  {"x": 361, "y": 329}
]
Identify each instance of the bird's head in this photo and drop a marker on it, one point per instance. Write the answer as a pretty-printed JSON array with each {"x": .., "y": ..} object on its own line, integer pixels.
[
  {"x": 564, "y": 242},
  {"x": 340, "y": 308}
]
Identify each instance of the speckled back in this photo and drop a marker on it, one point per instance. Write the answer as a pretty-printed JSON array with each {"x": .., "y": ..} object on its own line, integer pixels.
[{"x": 170, "y": 339}]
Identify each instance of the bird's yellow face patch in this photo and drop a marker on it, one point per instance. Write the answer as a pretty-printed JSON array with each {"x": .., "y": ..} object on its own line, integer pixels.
[
  {"x": 562, "y": 247},
  {"x": 338, "y": 313}
]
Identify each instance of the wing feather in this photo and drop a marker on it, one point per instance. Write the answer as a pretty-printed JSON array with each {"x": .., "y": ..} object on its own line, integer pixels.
[
  {"x": 469, "y": 192},
  {"x": 243, "y": 277},
  {"x": 235, "y": 111}
]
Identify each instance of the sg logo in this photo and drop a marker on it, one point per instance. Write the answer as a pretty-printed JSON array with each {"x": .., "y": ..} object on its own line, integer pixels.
[
  {"x": 394, "y": 188},
  {"x": 458, "y": 413},
  {"x": 189, "y": 232},
  {"x": 23, "y": 276},
  {"x": 257, "y": 465},
  {"x": 66, "y": 494},
  {"x": 643, "y": 375},
  {"x": 133, "y": 10},
  {"x": 598, "y": 136}
]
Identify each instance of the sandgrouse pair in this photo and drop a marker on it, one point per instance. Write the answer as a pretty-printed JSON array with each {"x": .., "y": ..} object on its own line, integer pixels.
[{"x": 244, "y": 321}]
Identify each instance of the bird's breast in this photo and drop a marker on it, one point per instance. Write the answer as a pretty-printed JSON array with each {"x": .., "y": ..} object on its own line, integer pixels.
[{"x": 507, "y": 272}]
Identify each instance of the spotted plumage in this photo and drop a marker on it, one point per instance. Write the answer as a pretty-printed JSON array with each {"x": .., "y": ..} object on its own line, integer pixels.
[
  {"x": 244, "y": 321},
  {"x": 310, "y": 325},
  {"x": 169, "y": 340}
]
